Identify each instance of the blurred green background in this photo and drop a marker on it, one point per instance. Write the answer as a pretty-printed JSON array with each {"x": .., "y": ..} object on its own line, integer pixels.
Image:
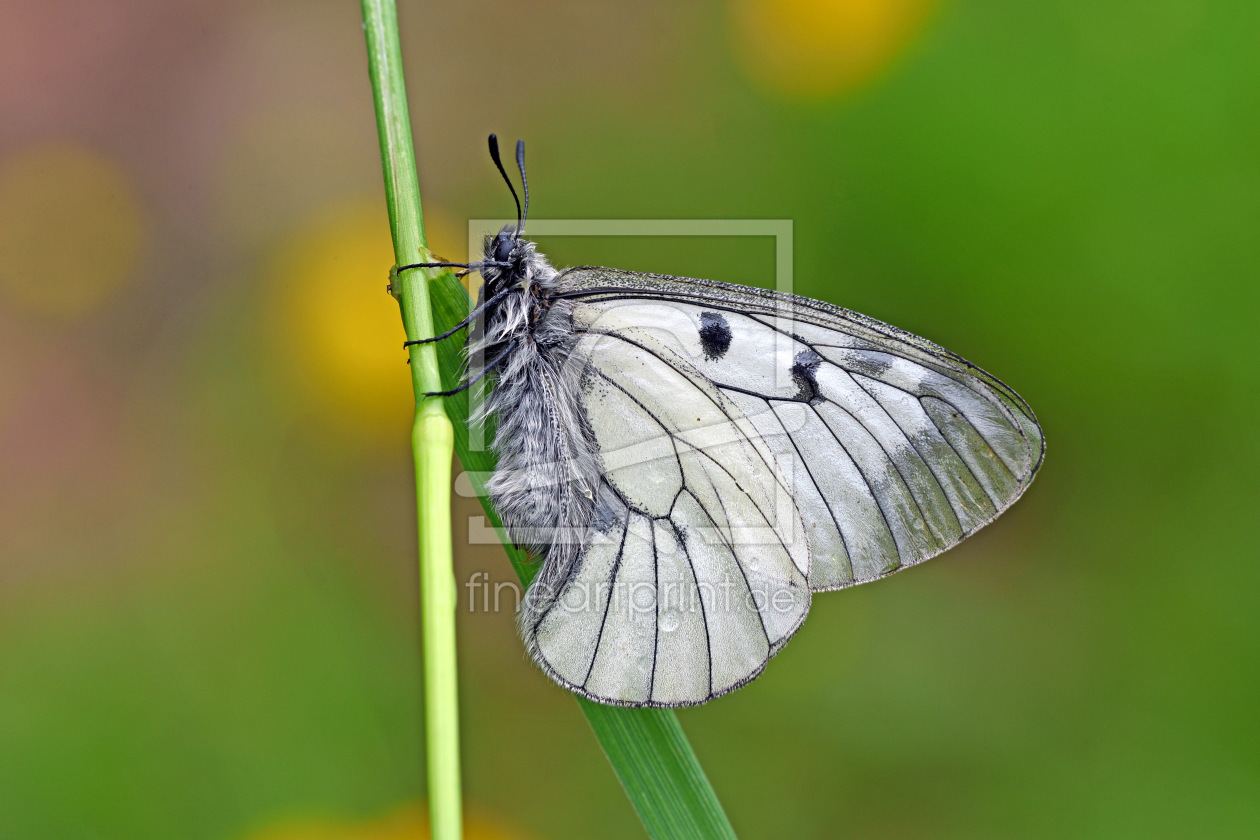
[{"x": 207, "y": 588}]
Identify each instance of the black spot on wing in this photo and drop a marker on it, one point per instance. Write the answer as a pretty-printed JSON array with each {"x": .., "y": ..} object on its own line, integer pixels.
[
  {"x": 715, "y": 335},
  {"x": 869, "y": 363},
  {"x": 805, "y": 374}
]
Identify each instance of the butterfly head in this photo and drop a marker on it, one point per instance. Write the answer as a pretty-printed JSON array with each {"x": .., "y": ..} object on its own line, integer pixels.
[
  {"x": 501, "y": 248},
  {"x": 507, "y": 258}
]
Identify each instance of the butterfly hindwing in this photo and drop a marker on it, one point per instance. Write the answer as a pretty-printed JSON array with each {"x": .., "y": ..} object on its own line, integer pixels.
[{"x": 697, "y": 568}]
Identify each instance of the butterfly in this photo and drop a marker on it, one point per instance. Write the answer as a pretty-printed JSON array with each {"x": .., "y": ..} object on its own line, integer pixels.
[{"x": 692, "y": 460}]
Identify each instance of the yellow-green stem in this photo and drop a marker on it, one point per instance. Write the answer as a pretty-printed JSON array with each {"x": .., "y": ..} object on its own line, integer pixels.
[
  {"x": 432, "y": 440},
  {"x": 432, "y": 437}
]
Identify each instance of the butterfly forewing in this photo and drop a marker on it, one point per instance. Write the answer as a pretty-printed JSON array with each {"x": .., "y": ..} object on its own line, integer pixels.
[{"x": 894, "y": 448}]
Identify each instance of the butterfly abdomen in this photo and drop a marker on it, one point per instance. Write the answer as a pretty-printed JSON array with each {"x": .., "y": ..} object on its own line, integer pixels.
[{"x": 543, "y": 486}]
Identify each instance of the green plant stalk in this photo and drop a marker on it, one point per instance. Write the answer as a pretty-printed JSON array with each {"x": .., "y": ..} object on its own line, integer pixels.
[
  {"x": 432, "y": 436},
  {"x": 646, "y": 747}
]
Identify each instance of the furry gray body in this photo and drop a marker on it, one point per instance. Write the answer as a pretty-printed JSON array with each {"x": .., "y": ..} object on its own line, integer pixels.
[{"x": 544, "y": 484}]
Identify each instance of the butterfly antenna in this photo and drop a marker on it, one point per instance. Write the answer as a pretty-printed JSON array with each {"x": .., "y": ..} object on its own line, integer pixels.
[
  {"x": 520, "y": 164},
  {"x": 494, "y": 155}
]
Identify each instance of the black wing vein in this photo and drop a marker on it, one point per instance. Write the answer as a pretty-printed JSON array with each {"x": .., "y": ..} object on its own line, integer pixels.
[{"x": 612, "y": 582}]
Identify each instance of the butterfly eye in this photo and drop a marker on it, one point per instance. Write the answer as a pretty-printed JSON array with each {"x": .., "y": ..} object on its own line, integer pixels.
[{"x": 502, "y": 249}]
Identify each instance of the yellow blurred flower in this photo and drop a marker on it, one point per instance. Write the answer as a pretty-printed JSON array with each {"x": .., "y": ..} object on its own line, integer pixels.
[
  {"x": 410, "y": 823},
  {"x": 342, "y": 336},
  {"x": 813, "y": 49},
  {"x": 71, "y": 229}
]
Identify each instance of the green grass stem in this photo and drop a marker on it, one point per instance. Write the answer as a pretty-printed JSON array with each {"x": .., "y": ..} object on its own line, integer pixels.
[{"x": 432, "y": 435}]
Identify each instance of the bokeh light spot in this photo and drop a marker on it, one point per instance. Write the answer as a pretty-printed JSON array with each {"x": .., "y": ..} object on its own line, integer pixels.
[
  {"x": 814, "y": 49},
  {"x": 71, "y": 229},
  {"x": 343, "y": 333}
]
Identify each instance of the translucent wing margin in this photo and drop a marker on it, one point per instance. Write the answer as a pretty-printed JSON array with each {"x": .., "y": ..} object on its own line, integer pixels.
[
  {"x": 894, "y": 448},
  {"x": 695, "y": 570}
]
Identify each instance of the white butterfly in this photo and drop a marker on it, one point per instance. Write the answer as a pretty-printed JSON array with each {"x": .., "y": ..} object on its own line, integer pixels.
[{"x": 691, "y": 460}]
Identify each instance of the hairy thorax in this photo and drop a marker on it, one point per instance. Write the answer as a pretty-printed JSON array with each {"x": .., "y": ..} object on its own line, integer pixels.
[{"x": 544, "y": 483}]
